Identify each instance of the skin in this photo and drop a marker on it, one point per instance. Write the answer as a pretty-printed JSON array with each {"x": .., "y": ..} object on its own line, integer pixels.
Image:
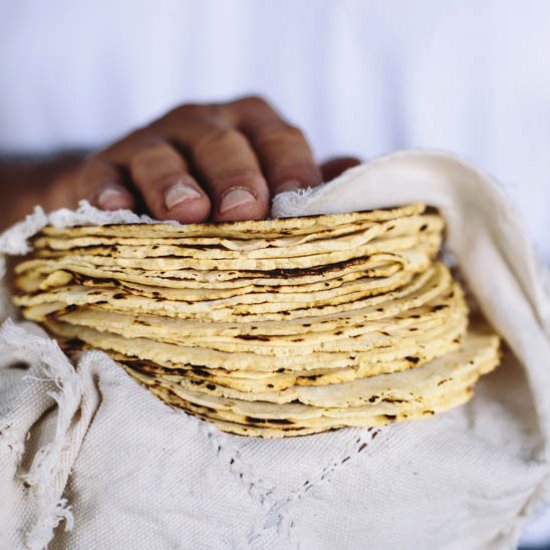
[{"x": 220, "y": 162}]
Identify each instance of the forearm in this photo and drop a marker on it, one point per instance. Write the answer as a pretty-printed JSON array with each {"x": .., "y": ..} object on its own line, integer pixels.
[{"x": 28, "y": 181}]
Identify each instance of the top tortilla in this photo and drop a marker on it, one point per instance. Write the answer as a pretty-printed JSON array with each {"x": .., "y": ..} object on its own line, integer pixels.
[
  {"x": 274, "y": 228},
  {"x": 212, "y": 247}
]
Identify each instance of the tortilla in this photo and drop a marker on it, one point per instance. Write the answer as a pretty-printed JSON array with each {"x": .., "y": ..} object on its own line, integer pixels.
[
  {"x": 434, "y": 282},
  {"x": 258, "y": 334},
  {"x": 359, "y": 336},
  {"x": 478, "y": 355},
  {"x": 361, "y": 286},
  {"x": 274, "y": 228},
  {"x": 377, "y": 265},
  {"x": 189, "y": 259},
  {"x": 315, "y": 417},
  {"x": 33, "y": 281},
  {"x": 421, "y": 223},
  {"x": 406, "y": 228},
  {"x": 92, "y": 316},
  {"x": 204, "y": 357},
  {"x": 222, "y": 383}
]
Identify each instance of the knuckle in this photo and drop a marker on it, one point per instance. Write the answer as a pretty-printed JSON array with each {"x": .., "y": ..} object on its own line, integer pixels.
[
  {"x": 119, "y": 151},
  {"x": 177, "y": 115},
  {"x": 255, "y": 102},
  {"x": 139, "y": 134},
  {"x": 156, "y": 165},
  {"x": 95, "y": 157},
  {"x": 187, "y": 113},
  {"x": 294, "y": 131},
  {"x": 188, "y": 110},
  {"x": 96, "y": 163},
  {"x": 148, "y": 154},
  {"x": 275, "y": 134},
  {"x": 219, "y": 137},
  {"x": 141, "y": 137}
]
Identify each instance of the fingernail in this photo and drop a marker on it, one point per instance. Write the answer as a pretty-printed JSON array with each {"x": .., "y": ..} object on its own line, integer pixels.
[
  {"x": 289, "y": 185},
  {"x": 111, "y": 197},
  {"x": 178, "y": 193},
  {"x": 238, "y": 196}
]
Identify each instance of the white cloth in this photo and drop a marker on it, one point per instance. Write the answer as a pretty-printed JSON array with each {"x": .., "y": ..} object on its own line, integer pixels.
[
  {"x": 361, "y": 77},
  {"x": 90, "y": 448}
]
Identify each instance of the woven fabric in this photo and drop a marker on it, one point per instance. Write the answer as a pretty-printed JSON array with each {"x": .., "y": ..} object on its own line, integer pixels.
[{"x": 88, "y": 459}]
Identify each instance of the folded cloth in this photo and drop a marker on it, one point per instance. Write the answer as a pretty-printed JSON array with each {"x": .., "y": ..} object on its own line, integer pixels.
[{"x": 88, "y": 459}]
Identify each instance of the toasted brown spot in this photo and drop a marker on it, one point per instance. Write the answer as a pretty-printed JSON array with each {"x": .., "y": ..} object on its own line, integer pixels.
[
  {"x": 260, "y": 337},
  {"x": 200, "y": 371},
  {"x": 254, "y": 420},
  {"x": 280, "y": 421}
]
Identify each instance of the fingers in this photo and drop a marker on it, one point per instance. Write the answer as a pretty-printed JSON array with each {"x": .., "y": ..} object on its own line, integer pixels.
[
  {"x": 158, "y": 172},
  {"x": 334, "y": 167},
  {"x": 102, "y": 184},
  {"x": 226, "y": 165},
  {"x": 161, "y": 174},
  {"x": 232, "y": 175},
  {"x": 282, "y": 149}
]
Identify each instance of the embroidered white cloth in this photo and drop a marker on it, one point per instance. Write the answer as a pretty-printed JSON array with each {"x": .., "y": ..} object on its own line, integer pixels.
[{"x": 90, "y": 460}]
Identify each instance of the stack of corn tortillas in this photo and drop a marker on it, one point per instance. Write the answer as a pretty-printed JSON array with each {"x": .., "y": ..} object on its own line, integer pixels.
[{"x": 273, "y": 328}]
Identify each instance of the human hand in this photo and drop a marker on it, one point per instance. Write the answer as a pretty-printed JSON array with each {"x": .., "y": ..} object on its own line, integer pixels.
[{"x": 201, "y": 162}]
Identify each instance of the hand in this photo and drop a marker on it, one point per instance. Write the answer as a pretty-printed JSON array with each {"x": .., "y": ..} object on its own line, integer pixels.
[{"x": 221, "y": 162}]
